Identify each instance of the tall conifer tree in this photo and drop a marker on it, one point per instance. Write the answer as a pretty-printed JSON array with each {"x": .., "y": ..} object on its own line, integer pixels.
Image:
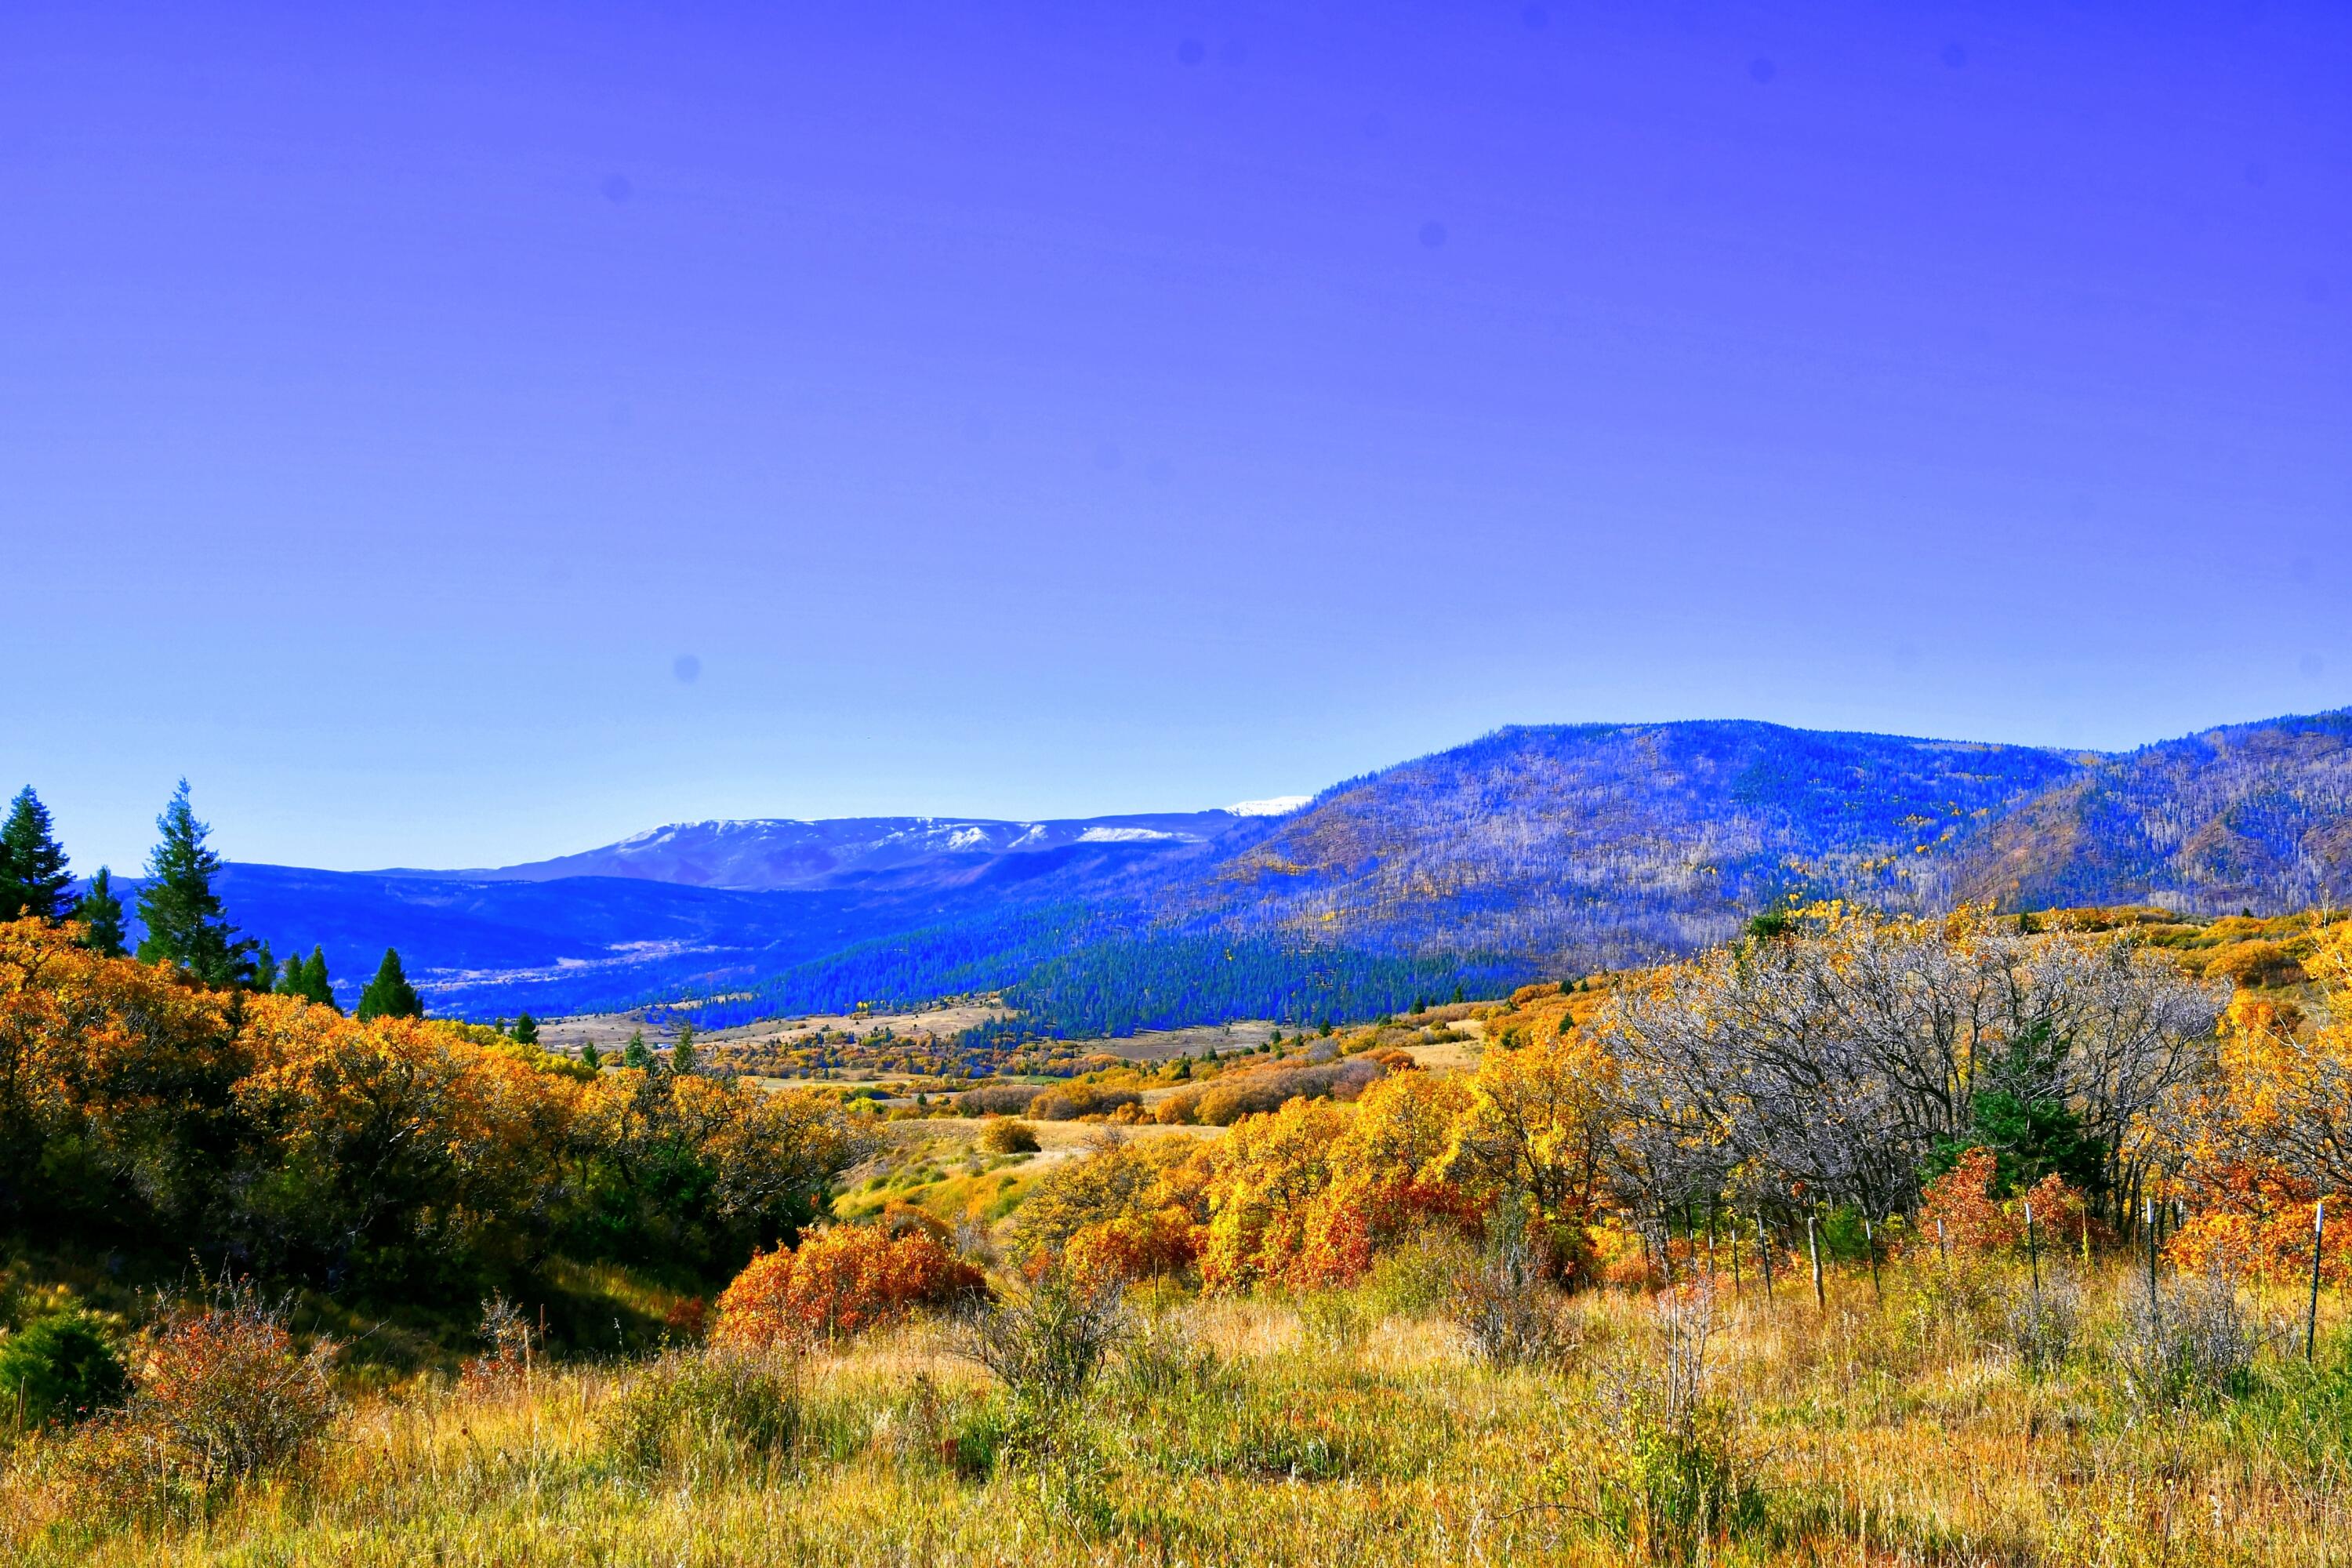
[
  {"x": 389, "y": 994},
  {"x": 33, "y": 875},
  {"x": 184, "y": 920},
  {"x": 100, "y": 913},
  {"x": 314, "y": 983}
]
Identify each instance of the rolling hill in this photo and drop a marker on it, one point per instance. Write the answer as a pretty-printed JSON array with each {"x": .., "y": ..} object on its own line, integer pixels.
[{"x": 1533, "y": 851}]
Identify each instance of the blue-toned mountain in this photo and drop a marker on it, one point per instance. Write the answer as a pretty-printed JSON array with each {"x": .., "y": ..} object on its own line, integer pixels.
[
  {"x": 1532, "y": 851},
  {"x": 894, "y": 851},
  {"x": 1574, "y": 847},
  {"x": 2245, "y": 816}
]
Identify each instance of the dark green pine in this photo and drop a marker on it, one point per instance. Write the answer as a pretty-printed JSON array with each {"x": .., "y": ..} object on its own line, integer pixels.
[
  {"x": 185, "y": 922},
  {"x": 389, "y": 994},
  {"x": 100, "y": 913},
  {"x": 33, "y": 875}
]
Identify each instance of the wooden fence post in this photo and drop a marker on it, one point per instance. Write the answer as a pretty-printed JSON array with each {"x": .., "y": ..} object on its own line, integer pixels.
[
  {"x": 1813, "y": 1246},
  {"x": 2311, "y": 1314}
]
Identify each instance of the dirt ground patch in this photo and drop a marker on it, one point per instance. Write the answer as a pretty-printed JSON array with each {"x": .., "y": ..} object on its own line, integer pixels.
[{"x": 609, "y": 1031}]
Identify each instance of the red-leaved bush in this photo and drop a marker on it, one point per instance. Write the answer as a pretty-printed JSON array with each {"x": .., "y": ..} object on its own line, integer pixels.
[{"x": 838, "y": 1282}]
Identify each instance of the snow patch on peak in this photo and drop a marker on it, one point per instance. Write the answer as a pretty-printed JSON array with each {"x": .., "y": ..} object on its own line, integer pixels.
[
  {"x": 1276, "y": 806},
  {"x": 1123, "y": 836}
]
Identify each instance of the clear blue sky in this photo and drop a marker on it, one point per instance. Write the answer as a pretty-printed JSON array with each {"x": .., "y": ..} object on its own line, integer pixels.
[{"x": 1060, "y": 409}]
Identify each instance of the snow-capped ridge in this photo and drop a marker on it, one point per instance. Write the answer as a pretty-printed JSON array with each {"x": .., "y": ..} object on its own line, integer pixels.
[{"x": 1272, "y": 805}]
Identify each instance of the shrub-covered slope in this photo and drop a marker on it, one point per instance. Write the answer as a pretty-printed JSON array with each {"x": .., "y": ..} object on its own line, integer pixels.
[
  {"x": 1601, "y": 844},
  {"x": 2247, "y": 817}
]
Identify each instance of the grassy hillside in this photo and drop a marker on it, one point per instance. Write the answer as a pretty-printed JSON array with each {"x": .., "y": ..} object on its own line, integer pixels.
[
  {"x": 1434, "y": 1290},
  {"x": 1896, "y": 1425}
]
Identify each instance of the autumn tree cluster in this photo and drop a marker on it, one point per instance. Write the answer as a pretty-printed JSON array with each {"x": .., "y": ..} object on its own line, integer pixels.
[
  {"x": 139, "y": 1107},
  {"x": 1930, "y": 1077}
]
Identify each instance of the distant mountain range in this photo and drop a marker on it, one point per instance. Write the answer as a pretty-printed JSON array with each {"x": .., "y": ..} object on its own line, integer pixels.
[
  {"x": 1532, "y": 851},
  {"x": 870, "y": 852}
]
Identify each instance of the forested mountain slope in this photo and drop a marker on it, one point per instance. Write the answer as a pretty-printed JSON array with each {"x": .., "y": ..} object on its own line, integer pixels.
[
  {"x": 1599, "y": 844},
  {"x": 1533, "y": 851},
  {"x": 2253, "y": 817}
]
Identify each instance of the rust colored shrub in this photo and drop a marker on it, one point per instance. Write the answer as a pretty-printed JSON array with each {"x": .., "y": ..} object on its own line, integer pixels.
[
  {"x": 838, "y": 1282},
  {"x": 1133, "y": 1246},
  {"x": 1004, "y": 1135},
  {"x": 1071, "y": 1100},
  {"x": 1960, "y": 1201},
  {"x": 1181, "y": 1109},
  {"x": 221, "y": 1393}
]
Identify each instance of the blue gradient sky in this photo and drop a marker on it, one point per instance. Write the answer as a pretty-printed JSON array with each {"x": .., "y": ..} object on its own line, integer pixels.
[{"x": 1028, "y": 410}]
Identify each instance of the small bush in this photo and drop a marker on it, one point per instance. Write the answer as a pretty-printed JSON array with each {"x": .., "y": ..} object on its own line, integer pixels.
[
  {"x": 839, "y": 1281},
  {"x": 1421, "y": 1275},
  {"x": 705, "y": 1413},
  {"x": 1676, "y": 1479},
  {"x": 1047, "y": 1345},
  {"x": 226, "y": 1389},
  {"x": 2042, "y": 1324},
  {"x": 1162, "y": 1355},
  {"x": 511, "y": 1343},
  {"x": 2196, "y": 1339},
  {"x": 58, "y": 1370},
  {"x": 218, "y": 1396},
  {"x": 1003, "y": 1135},
  {"x": 1334, "y": 1320},
  {"x": 1509, "y": 1314},
  {"x": 928, "y": 1428}
]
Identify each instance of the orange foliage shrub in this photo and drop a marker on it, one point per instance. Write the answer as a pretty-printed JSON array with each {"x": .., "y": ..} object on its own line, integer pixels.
[
  {"x": 837, "y": 1282},
  {"x": 220, "y": 1390},
  {"x": 2274, "y": 1132},
  {"x": 2267, "y": 1234},
  {"x": 1308, "y": 1194},
  {"x": 2061, "y": 1215},
  {"x": 1152, "y": 1245},
  {"x": 1960, "y": 1201}
]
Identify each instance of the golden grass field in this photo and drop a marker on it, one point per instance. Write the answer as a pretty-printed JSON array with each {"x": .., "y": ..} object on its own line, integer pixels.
[{"x": 1347, "y": 1427}]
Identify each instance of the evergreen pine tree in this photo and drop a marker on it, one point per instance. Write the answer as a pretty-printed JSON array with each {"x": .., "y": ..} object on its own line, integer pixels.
[
  {"x": 265, "y": 969},
  {"x": 590, "y": 1057},
  {"x": 313, "y": 985},
  {"x": 184, "y": 920},
  {"x": 681, "y": 1056},
  {"x": 33, "y": 875},
  {"x": 634, "y": 1055},
  {"x": 526, "y": 1030},
  {"x": 100, "y": 913},
  {"x": 389, "y": 994}
]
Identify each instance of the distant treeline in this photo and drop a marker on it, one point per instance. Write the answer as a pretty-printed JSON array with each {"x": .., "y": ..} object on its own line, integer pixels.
[
  {"x": 1073, "y": 971},
  {"x": 1161, "y": 980}
]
